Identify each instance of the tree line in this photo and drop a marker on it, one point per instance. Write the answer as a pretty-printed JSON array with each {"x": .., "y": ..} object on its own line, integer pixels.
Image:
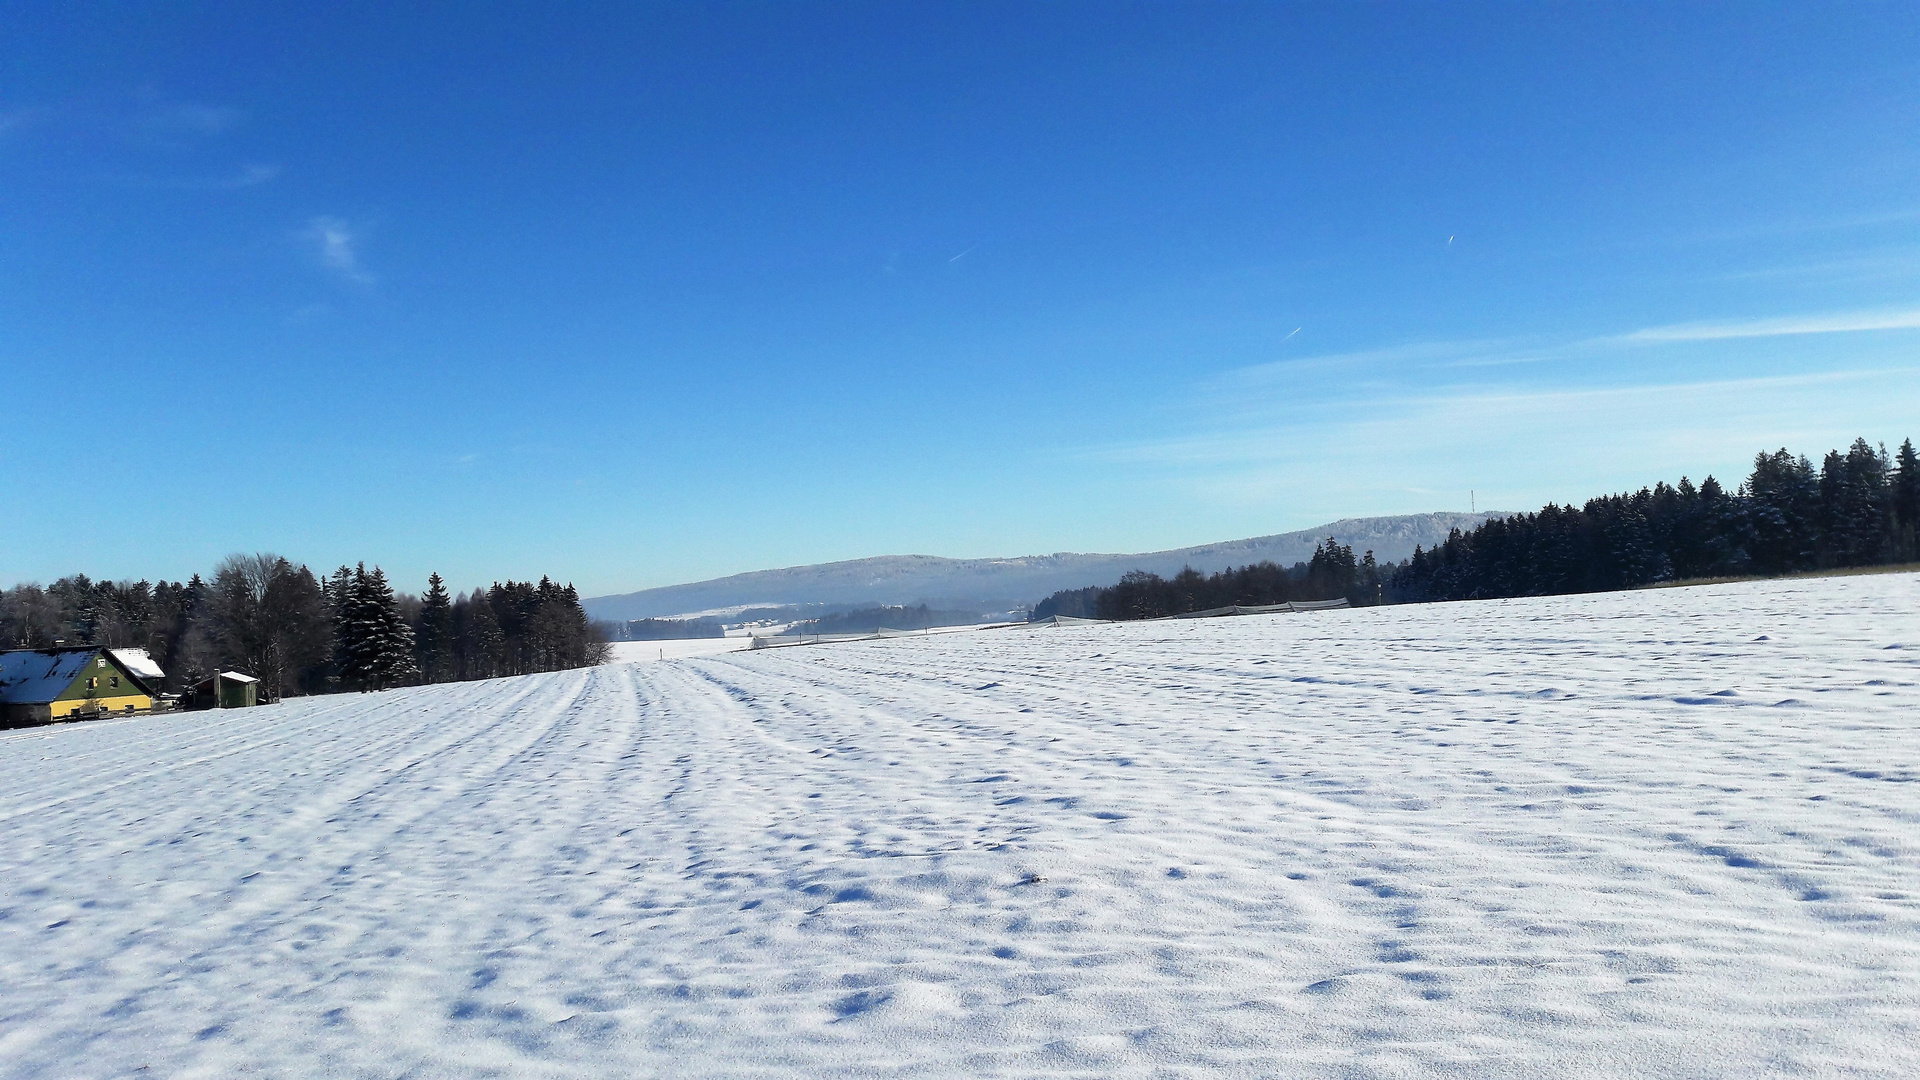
[
  {"x": 868, "y": 620},
  {"x": 667, "y": 629},
  {"x": 1332, "y": 573},
  {"x": 1858, "y": 508},
  {"x": 302, "y": 634}
]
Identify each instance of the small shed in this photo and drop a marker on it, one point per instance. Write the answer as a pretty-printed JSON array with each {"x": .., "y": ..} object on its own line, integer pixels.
[
  {"x": 226, "y": 690},
  {"x": 39, "y": 686}
]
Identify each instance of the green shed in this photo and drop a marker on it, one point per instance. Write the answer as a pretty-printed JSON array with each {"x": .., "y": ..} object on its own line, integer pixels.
[{"x": 226, "y": 690}]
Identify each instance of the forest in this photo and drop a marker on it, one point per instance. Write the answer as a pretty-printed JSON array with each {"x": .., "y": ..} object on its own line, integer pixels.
[
  {"x": 666, "y": 629},
  {"x": 1858, "y": 508},
  {"x": 303, "y": 634},
  {"x": 870, "y": 619},
  {"x": 1333, "y": 572}
]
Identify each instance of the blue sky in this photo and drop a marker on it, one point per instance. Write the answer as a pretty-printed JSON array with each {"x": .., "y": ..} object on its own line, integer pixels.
[{"x": 650, "y": 295}]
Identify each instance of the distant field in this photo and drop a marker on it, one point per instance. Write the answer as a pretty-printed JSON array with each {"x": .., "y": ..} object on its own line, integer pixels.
[
  {"x": 1671, "y": 833},
  {"x": 632, "y": 652},
  {"x": 1846, "y": 571}
]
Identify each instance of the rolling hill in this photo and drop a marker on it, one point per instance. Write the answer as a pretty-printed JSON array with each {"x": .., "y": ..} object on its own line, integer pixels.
[{"x": 998, "y": 584}]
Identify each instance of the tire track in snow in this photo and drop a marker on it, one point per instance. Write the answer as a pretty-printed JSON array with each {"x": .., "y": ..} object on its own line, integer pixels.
[{"x": 248, "y": 733}]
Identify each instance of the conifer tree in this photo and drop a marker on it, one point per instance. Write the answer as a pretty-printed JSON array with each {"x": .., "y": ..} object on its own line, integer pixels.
[
  {"x": 1722, "y": 551},
  {"x": 481, "y": 641},
  {"x": 1332, "y": 572},
  {"x": 353, "y": 628},
  {"x": 1367, "y": 589},
  {"x": 433, "y": 644},
  {"x": 1783, "y": 504},
  {"x": 1855, "y": 511},
  {"x": 384, "y": 645},
  {"x": 1906, "y": 503}
]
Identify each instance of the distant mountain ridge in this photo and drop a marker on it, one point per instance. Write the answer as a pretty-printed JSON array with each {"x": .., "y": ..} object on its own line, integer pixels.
[{"x": 999, "y": 584}]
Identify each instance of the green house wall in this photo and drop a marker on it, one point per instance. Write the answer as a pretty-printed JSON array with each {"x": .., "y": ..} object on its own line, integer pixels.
[{"x": 77, "y": 690}]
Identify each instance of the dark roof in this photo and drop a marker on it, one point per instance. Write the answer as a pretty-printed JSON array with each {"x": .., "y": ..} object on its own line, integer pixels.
[{"x": 37, "y": 676}]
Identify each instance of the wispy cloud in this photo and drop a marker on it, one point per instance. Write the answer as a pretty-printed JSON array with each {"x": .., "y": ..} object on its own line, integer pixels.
[
  {"x": 1890, "y": 264},
  {"x": 336, "y": 243},
  {"x": 254, "y": 173},
  {"x": 246, "y": 176},
  {"x": 1520, "y": 448},
  {"x": 1442, "y": 417},
  {"x": 1775, "y": 226},
  {"x": 1525, "y": 419},
  {"x": 1506, "y": 352},
  {"x": 13, "y": 121},
  {"x": 1832, "y": 323},
  {"x": 1386, "y": 358},
  {"x": 189, "y": 120},
  {"x": 307, "y": 314}
]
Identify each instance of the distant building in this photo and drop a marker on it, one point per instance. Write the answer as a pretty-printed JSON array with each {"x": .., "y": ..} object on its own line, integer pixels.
[
  {"x": 226, "y": 690},
  {"x": 40, "y": 686}
]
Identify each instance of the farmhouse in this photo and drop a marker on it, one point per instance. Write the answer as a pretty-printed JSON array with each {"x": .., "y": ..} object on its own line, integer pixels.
[{"x": 39, "y": 686}]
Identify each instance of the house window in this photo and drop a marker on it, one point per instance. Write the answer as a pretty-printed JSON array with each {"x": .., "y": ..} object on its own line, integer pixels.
[
  {"x": 93, "y": 683},
  {"x": 113, "y": 681}
]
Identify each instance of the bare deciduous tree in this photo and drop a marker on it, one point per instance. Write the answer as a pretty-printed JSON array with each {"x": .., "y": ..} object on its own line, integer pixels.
[{"x": 270, "y": 615}]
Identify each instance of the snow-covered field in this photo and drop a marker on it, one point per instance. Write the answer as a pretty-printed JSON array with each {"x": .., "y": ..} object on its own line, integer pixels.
[
  {"x": 639, "y": 652},
  {"x": 1669, "y": 833}
]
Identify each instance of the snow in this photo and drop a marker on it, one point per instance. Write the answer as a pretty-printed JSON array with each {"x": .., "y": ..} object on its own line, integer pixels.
[
  {"x": 634, "y": 652},
  {"x": 142, "y": 664},
  {"x": 1663, "y": 833}
]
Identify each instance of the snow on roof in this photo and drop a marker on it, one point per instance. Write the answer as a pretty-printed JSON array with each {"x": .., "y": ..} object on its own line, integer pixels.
[
  {"x": 234, "y": 676},
  {"x": 140, "y": 662},
  {"x": 36, "y": 676}
]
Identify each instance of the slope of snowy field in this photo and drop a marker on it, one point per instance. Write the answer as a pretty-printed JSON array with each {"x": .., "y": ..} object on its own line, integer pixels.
[
  {"x": 636, "y": 652},
  {"x": 1671, "y": 833}
]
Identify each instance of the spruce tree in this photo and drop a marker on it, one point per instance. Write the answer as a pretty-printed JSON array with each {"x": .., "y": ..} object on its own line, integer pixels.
[
  {"x": 353, "y": 627},
  {"x": 1783, "y": 511},
  {"x": 1906, "y": 503},
  {"x": 482, "y": 643},
  {"x": 384, "y": 649},
  {"x": 433, "y": 642},
  {"x": 1853, "y": 491},
  {"x": 1722, "y": 551}
]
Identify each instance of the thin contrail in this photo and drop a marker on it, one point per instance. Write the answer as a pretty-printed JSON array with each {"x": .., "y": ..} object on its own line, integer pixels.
[
  {"x": 1295, "y": 331},
  {"x": 964, "y": 254}
]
